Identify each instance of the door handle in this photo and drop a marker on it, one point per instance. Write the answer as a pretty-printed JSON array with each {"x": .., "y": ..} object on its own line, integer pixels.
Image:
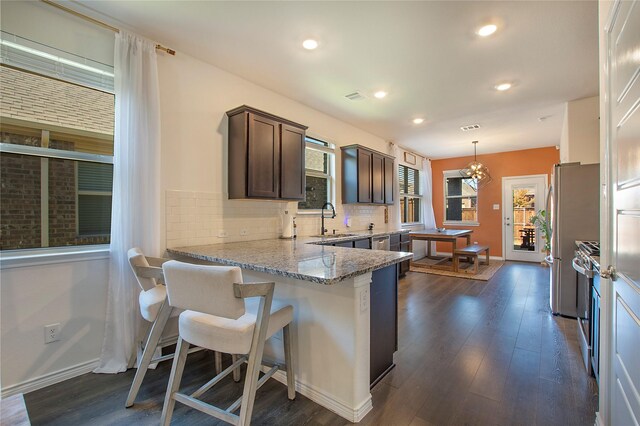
[{"x": 609, "y": 273}]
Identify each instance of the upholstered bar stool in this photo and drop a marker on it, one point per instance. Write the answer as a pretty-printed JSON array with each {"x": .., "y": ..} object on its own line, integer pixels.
[
  {"x": 156, "y": 312},
  {"x": 217, "y": 317}
]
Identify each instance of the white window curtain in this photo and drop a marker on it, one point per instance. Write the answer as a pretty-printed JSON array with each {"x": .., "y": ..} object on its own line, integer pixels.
[
  {"x": 395, "y": 219},
  {"x": 135, "y": 220},
  {"x": 428, "y": 217}
]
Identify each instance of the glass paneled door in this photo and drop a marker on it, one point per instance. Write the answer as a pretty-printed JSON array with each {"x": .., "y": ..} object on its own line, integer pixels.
[{"x": 523, "y": 197}]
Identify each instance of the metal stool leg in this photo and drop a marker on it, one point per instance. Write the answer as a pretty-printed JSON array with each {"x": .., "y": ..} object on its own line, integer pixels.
[
  {"x": 177, "y": 368},
  {"x": 149, "y": 350}
]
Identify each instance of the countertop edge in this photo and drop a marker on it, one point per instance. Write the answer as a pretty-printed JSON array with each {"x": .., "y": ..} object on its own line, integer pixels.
[{"x": 288, "y": 274}]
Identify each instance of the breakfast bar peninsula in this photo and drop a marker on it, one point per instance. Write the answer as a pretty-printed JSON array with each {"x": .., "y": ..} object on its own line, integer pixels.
[{"x": 345, "y": 305}]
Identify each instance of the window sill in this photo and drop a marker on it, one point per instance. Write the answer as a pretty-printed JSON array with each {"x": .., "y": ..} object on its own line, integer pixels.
[
  {"x": 411, "y": 224},
  {"x": 46, "y": 256},
  {"x": 454, "y": 223}
]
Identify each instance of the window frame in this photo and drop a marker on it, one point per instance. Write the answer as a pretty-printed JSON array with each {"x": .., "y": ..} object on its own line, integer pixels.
[
  {"x": 407, "y": 196},
  {"x": 329, "y": 149},
  {"x": 456, "y": 174},
  {"x": 84, "y": 77}
]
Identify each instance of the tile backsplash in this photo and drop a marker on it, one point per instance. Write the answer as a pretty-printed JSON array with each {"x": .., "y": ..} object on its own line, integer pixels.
[{"x": 196, "y": 218}]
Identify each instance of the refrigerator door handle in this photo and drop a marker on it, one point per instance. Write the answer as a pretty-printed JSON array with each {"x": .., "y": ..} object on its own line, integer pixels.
[{"x": 547, "y": 212}]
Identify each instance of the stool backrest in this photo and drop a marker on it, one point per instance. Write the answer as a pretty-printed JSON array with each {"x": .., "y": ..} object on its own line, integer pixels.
[
  {"x": 204, "y": 288},
  {"x": 137, "y": 258}
]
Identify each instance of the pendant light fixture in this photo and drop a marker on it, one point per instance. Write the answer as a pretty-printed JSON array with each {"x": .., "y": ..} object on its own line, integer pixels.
[{"x": 476, "y": 170}]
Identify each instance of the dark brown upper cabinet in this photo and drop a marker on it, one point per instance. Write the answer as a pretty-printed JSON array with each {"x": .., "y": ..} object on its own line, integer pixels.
[
  {"x": 367, "y": 176},
  {"x": 389, "y": 173},
  {"x": 377, "y": 178},
  {"x": 266, "y": 156},
  {"x": 364, "y": 176}
]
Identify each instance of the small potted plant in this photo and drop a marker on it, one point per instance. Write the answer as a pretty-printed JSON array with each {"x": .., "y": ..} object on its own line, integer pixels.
[{"x": 539, "y": 220}]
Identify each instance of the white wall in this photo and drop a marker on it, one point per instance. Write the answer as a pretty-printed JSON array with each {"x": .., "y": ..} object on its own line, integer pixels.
[
  {"x": 580, "y": 138},
  {"x": 194, "y": 98},
  {"x": 72, "y": 294}
]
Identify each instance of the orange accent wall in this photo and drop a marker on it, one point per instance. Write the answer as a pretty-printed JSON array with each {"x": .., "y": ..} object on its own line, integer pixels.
[{"x": 504, "y": 164}]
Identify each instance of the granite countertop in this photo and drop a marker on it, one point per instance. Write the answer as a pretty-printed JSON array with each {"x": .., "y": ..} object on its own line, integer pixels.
[{"x": 301, "y": 259}]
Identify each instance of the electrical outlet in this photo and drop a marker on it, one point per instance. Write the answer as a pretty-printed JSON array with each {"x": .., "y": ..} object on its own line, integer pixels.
[
  {"x": 51, "y": 333},
  {"x": 222, "y": 233},
  {"x": 364, "y": 300},
  {"x": 244, "y": 232}
]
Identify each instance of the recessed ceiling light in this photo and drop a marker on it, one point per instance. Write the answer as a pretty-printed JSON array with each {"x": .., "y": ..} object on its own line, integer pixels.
[
  {"x": 418, "y": 120},
  {"x": 487, "y": 30},
  {"x": 310, "y": 44},
  {"x": 502, "y": 86},
  {"x": 380, "y": 94}
]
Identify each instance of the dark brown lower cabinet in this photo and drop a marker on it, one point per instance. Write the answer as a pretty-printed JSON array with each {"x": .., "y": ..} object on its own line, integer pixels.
[
  {"x": 362, "y": 244},
  {"x": 348, "y": 244},
  {"x": 401, "y": 242},
  {"x": 384, "y": 322}
]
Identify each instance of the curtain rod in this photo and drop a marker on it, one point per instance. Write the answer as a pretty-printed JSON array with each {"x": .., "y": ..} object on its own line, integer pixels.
[{"x": 100, "y": 23}]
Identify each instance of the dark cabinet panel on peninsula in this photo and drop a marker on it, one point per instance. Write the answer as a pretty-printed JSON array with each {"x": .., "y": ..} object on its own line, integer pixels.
[
  {"x": 266, "y": 156},
  {"x": 367, "y": 176}
]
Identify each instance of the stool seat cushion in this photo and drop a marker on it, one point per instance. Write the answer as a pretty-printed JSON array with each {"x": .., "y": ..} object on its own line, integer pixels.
[
  {"x": 228, "y": 335},
  {"x": 151, "y": 301}
]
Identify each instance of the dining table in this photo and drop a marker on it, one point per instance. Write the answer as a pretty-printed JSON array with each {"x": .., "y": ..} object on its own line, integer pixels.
[{"x": 442, "y": 235}]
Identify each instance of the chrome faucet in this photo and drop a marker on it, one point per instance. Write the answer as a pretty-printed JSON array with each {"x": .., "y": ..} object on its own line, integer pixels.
[{"x": 333, "y": 209}]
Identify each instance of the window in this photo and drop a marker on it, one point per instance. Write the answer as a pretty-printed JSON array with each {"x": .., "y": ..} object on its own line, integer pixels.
[
  {"x": 319, "y": 163},
  {"x": 460, "y": 199},
  {"x": 56, "y": 158},
  {"x": 410, "y": 194}
]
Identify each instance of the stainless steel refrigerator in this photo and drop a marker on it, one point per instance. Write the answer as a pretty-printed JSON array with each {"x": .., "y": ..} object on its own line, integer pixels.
[{"x": 574, "y": 204}]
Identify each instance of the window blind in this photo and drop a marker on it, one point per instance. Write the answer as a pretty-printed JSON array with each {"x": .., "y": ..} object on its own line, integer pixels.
[{"x": 29, "y": 55}]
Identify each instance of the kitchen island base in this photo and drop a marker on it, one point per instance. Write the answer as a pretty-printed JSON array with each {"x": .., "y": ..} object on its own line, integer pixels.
[{"x": 330, "y": 338}]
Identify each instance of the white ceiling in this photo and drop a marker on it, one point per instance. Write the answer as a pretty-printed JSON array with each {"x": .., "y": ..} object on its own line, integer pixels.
[{"x": 425, "y": 54}]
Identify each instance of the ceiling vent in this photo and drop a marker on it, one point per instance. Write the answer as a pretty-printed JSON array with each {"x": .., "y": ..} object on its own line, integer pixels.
[
  {"x": 355, "y": 96},
  {"x": 470, "y": 127}
]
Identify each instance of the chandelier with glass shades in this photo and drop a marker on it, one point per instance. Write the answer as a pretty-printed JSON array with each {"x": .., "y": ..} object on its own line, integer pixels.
[{"x": 476, "y": 170}]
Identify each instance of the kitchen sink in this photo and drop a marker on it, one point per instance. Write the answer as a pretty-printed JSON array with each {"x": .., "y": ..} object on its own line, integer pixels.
[{"x": 333, "y": 235}]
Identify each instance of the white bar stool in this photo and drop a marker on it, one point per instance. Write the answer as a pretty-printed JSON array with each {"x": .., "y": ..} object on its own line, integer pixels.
[
  {"x": 156, "y": 311},
  {"x": 216, "y": 317}
]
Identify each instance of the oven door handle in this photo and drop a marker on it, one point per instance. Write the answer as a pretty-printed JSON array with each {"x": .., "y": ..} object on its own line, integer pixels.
[{"x": 586, "y": 272}]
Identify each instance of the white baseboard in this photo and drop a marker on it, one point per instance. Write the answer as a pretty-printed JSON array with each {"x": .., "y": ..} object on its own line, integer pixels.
[
  {"x": 353, "y": 415},
  {"x": 50, "y": 378}
]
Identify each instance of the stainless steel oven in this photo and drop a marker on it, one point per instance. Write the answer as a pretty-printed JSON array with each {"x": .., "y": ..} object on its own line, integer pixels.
[{"x": 585, "y": 266}]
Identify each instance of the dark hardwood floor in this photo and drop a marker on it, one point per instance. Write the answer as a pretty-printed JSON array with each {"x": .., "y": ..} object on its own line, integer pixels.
[{"x": 470, "y": 353}]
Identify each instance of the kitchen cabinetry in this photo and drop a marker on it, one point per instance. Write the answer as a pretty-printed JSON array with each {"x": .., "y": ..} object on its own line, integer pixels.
[
  {"x": 367, "y": 176},
  {"x": 389, "y": 173},
  {"x": 401, "y": 242},
  {"x": 364, "y": 243},
  {"x": 383, "y": 322},
  {"x": 266, "y": 156}
]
